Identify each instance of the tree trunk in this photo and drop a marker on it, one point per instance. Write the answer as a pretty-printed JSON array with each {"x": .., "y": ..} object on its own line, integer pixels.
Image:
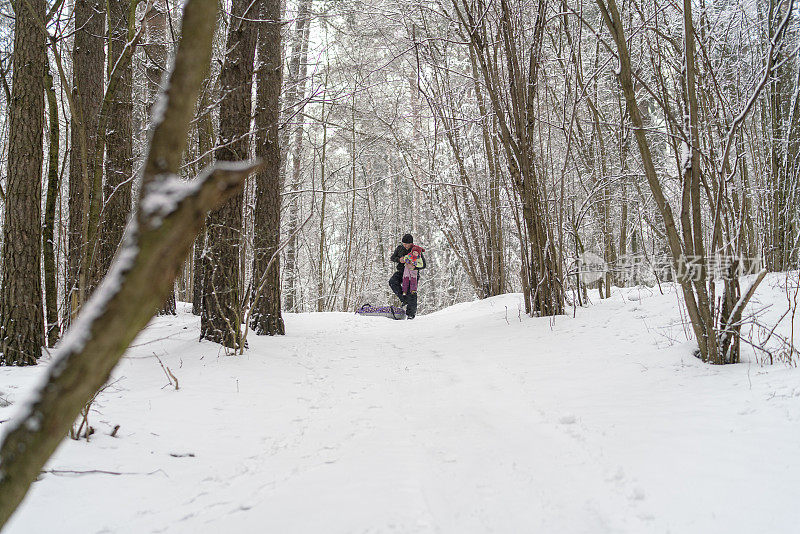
[
  {"x": 222, "y": 316},
  {"x": 784, "y": 100},
  {"x": 157, "y": 57},
  {"x": 323, "y": 160},
  {"x": 205, "y": 144},
  {"x": 513, "y": 104},
  {"x": 48, "y": 226},
  {"x": 348, "y": 254},
  {"x": 295, "y": 95},
  {"x": 693, "y": 233},
  {"x": 119, "y": 141},
  {"x": 197, "y": 273},
  {"x": 497, "y": 269},
  {"x": 87, "y": 93},
  {"x": 266, "y": 316},
  {"x": 21, "y": 329}
]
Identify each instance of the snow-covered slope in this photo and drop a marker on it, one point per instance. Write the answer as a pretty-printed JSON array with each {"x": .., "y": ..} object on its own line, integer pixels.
[{"x": 472, "y": 419}]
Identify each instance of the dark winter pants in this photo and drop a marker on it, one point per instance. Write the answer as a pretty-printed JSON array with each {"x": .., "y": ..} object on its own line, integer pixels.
[{"x": 396, "y": 283}]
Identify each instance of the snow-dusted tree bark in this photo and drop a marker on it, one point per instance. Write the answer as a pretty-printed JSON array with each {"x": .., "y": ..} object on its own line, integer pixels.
[
  {"x": 266, "y": 315},
  {"x": 21, "y": 320},
  {"x": 222, "y": 314},
  {"x": 169, "y": 214},
  {"x": 495, "y": 283}
]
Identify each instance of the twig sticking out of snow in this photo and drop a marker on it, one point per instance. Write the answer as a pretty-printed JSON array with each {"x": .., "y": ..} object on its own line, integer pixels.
[{"x": 171, "y": 377}]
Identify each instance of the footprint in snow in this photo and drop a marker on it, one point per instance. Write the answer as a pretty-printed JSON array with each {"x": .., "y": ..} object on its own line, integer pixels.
[{"x": 637, "y": 494}]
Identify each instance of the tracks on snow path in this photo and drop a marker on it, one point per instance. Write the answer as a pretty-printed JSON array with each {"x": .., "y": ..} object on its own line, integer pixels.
[{"x": 460, "y": 421}]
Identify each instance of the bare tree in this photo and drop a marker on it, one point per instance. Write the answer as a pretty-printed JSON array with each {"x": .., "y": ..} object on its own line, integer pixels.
[
  {"x": 514, "y": 108},
  {"x": 222, "y": 314},
  {"x": 266, "y": 315},
  {"x": 157, "y": 55},
  {"x": 295, "y": 105},
  {"x": 205, "y": 145},
  {"x": 716, "y": 324},
  {"x": 48, "y": 225},
  {"x": 117, "y": 190},
  {"x": 88, "y": 56}
]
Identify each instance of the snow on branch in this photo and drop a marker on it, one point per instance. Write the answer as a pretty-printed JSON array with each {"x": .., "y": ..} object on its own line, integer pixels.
[{"x": 169, "y": 216}]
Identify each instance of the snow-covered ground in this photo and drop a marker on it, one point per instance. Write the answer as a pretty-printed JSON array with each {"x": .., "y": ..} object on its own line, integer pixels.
[{"x": 472, "y": 419}]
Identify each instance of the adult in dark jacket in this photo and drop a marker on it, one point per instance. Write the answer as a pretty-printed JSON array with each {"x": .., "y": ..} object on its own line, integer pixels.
[{"x": 396, "y": 281}]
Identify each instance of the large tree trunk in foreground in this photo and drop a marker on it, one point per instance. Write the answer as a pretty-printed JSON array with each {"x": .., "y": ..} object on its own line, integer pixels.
[
  {"x": 169, "y": 215},
  {"x": 222, "y": 316},
  {"x": 22, "y": 327},
  {"x": 266, "y": 315}
]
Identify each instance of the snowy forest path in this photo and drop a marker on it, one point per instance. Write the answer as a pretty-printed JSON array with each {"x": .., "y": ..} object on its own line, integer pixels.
[
  {"x": 438, "y": 433},
  {"x": 472, "y": 419}
]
